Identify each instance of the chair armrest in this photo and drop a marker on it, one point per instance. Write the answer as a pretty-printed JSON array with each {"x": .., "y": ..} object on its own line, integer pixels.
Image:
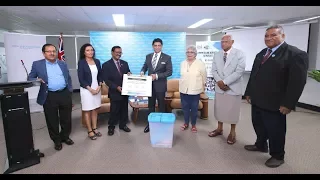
[
  {"x": 169, "y": 95},
  {"x": 203, "y": 96}
]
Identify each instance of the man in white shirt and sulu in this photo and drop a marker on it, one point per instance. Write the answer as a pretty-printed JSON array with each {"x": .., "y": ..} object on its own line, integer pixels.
[{"x": 227, "y": 69}]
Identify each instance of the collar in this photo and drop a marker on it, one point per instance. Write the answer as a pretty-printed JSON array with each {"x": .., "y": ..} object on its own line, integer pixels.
[
  {"x": 228, "y": 52},
  {"x": 115, "y": 60},
  {"x": 159, "y": 53},
  {"x": 48, "y": 62},
  {"x": 275, "y": 48}
]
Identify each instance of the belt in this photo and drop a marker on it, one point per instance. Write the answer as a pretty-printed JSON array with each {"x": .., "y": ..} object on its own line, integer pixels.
[{"x": 58, "y": 90}]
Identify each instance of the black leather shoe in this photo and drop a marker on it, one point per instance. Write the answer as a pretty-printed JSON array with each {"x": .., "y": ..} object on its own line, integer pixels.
[
  {"x": 255, "y": 148},
  {"x": 110, "y": 131},
  {"x": 125, "y": 128},
  {"x": 58, "y": 146},
  {"x": 68, "y": 141},
  {"x": 146, "y": 130},
  {"x": 273, "y": 162},
  {"x": 40, "y": 154}
]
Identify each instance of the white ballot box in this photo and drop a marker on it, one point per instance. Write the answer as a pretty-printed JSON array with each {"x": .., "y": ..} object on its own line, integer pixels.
[
  {"x": 161, "y": 129},
  {"x": 136, "y": 85}
]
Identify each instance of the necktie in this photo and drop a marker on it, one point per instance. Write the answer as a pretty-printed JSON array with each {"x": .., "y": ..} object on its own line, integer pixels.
[
  {"x": 266, "y": 56},
  {"x": 154, "y": 61},
  {"x": 118, "y": 67},
  {"x": 225, "y": 57}
]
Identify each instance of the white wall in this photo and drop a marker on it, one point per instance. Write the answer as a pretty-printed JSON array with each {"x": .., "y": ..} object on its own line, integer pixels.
[
  {"x": 3, "y": 76},
  {"x": 2, "y": 36},
  {"x": 314, "y": 46}
]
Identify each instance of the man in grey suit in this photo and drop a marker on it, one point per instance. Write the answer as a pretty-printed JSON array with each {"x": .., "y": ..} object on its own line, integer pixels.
[
  {"x": 227, "y": 69},
  {"x": 159, "y": 67}
]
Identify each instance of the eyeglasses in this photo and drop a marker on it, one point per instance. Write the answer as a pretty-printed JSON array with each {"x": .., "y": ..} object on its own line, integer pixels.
[
  {"x": 50, "y": 51},
  {"x": 118, "y": 53},
  {"x": 188, "y": 52}
]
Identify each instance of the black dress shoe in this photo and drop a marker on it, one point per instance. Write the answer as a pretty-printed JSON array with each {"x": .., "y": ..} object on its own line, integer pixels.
[
  {"x": 68, "y": 141},
  {"x": 40, "y": 154},
  {"x": 110, "y": 131},
  {"x": 255, "y": 148},
  {"x": 146, "y": 130},
  {"x": 273, "y": 162},
  {"x": 58, "y": 146},
  {"x": 125, "y": 128}
]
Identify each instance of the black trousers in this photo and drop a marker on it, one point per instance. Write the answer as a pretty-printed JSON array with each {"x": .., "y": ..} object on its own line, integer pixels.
[
  {"x": 269, "y": 125},
  {"x": 119, "y": 113},
  {"x": 159, "y": 96},
  {"x": 57, "y": 110}
]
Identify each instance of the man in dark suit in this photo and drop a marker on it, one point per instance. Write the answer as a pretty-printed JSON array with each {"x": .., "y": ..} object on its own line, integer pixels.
[
  {"x": 112, "y": 73},
  {"x": 276, "y": 83},
  {"x": 159, "y": 67},
  {"x": 54, "y": 94}
]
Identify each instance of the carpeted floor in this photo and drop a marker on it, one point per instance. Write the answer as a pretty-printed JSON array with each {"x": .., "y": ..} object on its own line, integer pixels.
[{"x": 195, "y": 153}]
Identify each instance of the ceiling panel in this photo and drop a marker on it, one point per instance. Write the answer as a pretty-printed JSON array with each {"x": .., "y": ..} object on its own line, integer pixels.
[
  {"x": 69, "y": 13},
  {"x": 160, "y": 28},
  {"x": 48, "y": 13},
  {"x": 142, "y": 20}
]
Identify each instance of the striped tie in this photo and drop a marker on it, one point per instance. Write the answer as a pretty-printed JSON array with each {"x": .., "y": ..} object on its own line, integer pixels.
[
  {"x": 225, "y": 57},
  {"x": 265, "y": 58},
  {"x": 154, "y": 61}
]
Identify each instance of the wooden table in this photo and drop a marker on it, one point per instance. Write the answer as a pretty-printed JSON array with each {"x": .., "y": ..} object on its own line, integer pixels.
[{"x": 136, "y": 108}]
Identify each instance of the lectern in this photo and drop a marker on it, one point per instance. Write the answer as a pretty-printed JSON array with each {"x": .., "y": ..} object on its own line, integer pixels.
[{"x": 17, "y": 126}]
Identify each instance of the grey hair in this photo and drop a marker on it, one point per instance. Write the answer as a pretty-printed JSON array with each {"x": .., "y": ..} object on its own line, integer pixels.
[
  {"x": 278, "y": 27},
  {"x": 227, "y": 35},
  {"x": 193, "y": 48}
]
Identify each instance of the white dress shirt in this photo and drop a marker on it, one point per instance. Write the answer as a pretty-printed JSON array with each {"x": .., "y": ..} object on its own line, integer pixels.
[{"x": 158, "y": 57}]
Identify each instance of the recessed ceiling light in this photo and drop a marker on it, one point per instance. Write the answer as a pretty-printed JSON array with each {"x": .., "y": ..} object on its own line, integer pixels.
[
  {"x": 118, "y": 19},
  {"x": 200, "y": 23}
]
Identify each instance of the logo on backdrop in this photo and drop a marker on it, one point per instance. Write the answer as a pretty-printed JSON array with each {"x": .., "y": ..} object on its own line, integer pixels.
[{"x": 26, "y": 46}]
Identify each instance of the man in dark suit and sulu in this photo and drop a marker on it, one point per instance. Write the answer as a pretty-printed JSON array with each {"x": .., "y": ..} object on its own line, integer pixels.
[{"x": 275, "y": 85}]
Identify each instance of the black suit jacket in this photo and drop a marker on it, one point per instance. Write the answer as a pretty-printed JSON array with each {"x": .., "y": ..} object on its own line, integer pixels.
[
  {"x": 113, "y": 79},
  {"x": 84, "y": 73},
  {"x": 163, "y": 70},
  {"x": 280, "y": 80}
]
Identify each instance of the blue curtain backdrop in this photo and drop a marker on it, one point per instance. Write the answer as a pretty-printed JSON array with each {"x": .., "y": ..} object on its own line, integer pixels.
[{"x": 136, "y": 45}]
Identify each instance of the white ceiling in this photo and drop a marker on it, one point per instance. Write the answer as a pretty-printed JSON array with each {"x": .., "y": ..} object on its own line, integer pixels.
[{"x": 81, "y": 19}]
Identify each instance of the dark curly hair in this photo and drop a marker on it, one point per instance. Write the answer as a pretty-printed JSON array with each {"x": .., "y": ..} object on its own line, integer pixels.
[{"x": 82, "y": 50}]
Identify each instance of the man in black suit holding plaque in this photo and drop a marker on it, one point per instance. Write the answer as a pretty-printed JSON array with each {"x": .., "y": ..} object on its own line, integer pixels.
[{"x": 112, "y": 74}]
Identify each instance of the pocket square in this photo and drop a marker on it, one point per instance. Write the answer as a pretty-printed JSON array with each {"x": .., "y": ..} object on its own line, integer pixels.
[{"x": 163, "y": 62}]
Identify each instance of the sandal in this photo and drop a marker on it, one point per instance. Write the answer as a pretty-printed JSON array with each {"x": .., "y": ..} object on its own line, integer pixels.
[
  {"x": 215, "y": 133},
  {"x": 184, "y": 127},
  {"x": 194, "y": 129},
  {"x": 98, "y": 134},
  {"x": 94, "y": 137},
  {"x": 231, "y": 139}
]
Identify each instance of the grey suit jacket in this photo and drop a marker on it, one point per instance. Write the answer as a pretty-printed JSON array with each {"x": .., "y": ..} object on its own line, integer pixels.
[
  {"x": 230, "y": 72},
  {"x": 163, "y": 71}
]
